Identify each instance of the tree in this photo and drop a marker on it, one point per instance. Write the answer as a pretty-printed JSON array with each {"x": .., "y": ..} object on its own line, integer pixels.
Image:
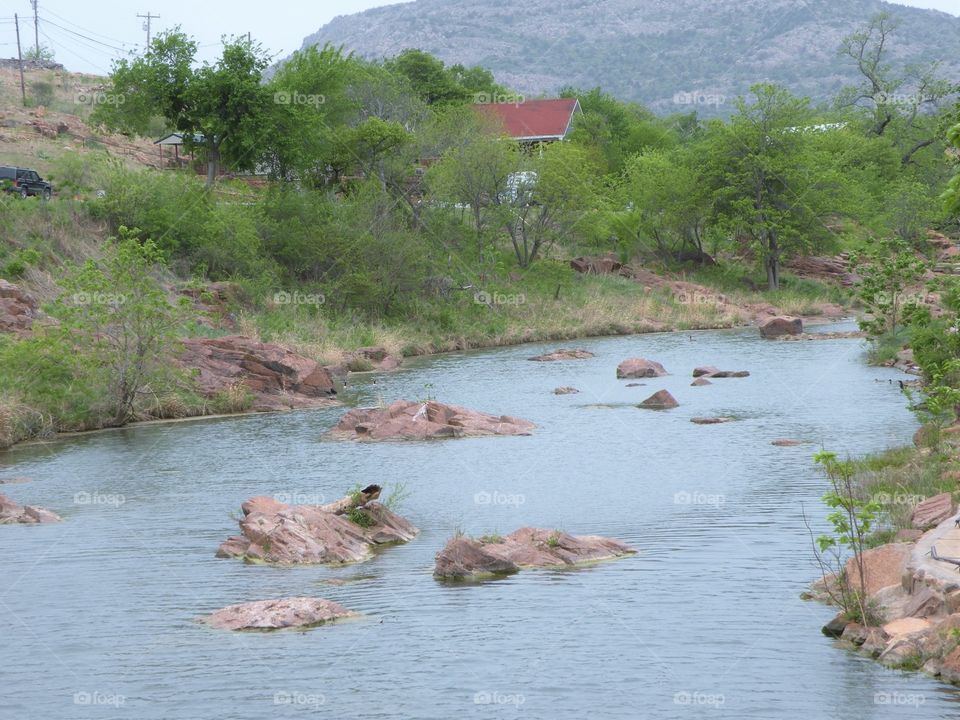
[
  {"x": 770, "y": 184},
  {"x": 118, "y": 318},
  {"x": 433, "y": 83},
  {"x": 219, "y": 108},
  {"x": 886, "y": 273},
  {"x": 951, "y": 198},
  {"x": 899, "y": 104}
]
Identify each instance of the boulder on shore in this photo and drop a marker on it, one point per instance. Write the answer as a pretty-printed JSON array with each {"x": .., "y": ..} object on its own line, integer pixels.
[
  {"x": 466, "y": 558},
  {"x": 562, "y": 354},
  {"x": 276, "y": 377},
  {"x": 294, "y": 612},
  {"x": 341, "y": 532},
  {"x": 932, "y": 511},
  {"x": 634, "y": 368},
  {"x": 660, "y": 400},
  {"x": 12, "y": 513},
  {"x": 883, "y": 566},
  {"x": 410, "y": 420},
  {"x": 779, "y": 326}
]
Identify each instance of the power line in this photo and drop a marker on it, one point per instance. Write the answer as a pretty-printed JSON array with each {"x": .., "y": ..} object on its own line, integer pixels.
[
  {"x": 93, "y": 40},
  {"x": 146, "y": 25},
  {"x": 86, "y": 30}
]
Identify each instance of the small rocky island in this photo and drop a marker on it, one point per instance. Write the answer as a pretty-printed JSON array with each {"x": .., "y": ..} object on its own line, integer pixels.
[
  {"x": 295, "y": 612},
  {"x": 341, "y": 532},
  {"x": 465, "y": 558},
  {"x": 411, "y": 420},
  {"x": 12, "y": 512}
]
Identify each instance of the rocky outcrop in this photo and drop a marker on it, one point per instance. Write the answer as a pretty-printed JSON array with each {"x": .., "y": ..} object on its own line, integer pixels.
[
  {"x": 12, "y": 513},
  {"x": 836, "y": 269},
  {"x": 276, "y": 377},
  {"x": 466, "y": 558},
  {"x": 709, "y": 371},
  {"x": 409, "y": 420},
  {"x": 18, "y": 309},
  {"x": 779, "y": 326},
  {"x": 212, "y": 303},
  {"x": 882, "y": 567},
  {"x": 904, "y": 362},
  {"x": 932, "y": 511},
  {"x": 562, "y": 354},
  {"x": 565, "y": 391},
  {"x": 294, "y": 612},
  {"x": 342, "y": 532},
  {"x": 634, "y": 368},
  {"x": 660, "y": 400}
]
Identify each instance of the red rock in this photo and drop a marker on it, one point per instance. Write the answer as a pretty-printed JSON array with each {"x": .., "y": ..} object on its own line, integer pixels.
[
  {"x": 562, "y": 354},
  {"x": 524, "y": 548},
  {"x": 660, "y": 400},
  {"x": 294, "y": 612},
  {"x": 274, "y": 532},
  {"x": 700, "y": 382},
  {"x": 408, "y": 420},
  {"x": 907, "y": 535},
  {"x": 705, "y": 370},
  {"x": 277, "y": 377},
  {"x": 640, "y": 368},
  {"x": 950, "y": 666},
  {"x": 778, "y": 326},
  {"x": 923, "y": 603},
  {"x": 18, "y": 309},
  {"x": 823, "y": 268},
  {"x": 378, "y": 357},
  {"x": 565, "y": 391},
  {"x": 731, "y": 374},
  {"x": 932, "y": 511},
  {"x": 883, "y": 566},
  {"x": 12, "y": 512}
]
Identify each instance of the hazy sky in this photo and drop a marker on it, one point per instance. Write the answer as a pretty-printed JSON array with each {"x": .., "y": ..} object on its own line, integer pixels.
[{"x": 92, "y": 32}]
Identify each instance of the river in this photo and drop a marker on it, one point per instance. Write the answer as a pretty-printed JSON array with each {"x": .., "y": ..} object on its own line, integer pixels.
[{"x": 706, "y": 621}]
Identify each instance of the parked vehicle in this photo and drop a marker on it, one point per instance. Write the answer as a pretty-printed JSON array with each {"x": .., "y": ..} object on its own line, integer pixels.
[{"x": 24, "y": 181}]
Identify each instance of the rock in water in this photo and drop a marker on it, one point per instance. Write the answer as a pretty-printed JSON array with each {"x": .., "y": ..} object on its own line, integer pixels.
[
  {"x": 466, "y": 558},
  {"x": 779, "y": 326},
  {"x": 711, "y": 420},
  {"x": 274, "y": 532},
  {"x": 634, "y": 368},
  {"x": 277, "y": 377},
  {"x": 13, "y": 513},
  {"x": 565, "y": 391},
  {"x": 563, "y": 354},
  {"x": 700, "y": 382},
  {"x": 408, "y": 420},
  {"x": 294, "y": 612},
  {"x": 660, "y": 400}
]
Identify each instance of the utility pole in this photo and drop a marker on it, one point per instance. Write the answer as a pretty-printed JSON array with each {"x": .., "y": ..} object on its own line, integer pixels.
[
  {"x": 23, "y": 90},
  {"x": 146, "y": 25},
  {"x": 36, "y": 29}
]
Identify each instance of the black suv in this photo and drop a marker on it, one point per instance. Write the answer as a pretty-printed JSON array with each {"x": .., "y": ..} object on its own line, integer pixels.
[{"x": 24, "y": 182}]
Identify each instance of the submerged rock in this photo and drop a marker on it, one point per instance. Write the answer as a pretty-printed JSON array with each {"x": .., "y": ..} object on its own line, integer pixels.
[
  {"x": 342, "y": 532},
  {"x": 373, "y": 358},
  {"x": 294, "y": 612},
  {"x": 562, "y": 354},
  {"x": 709, "y": 371},
  {"x": 785, "y": 442},
  {"x": 660, "y": 400},
  {"x": 565, "y": 391},
  {"x": 12, "y": 513},
  {"x": 700, "y": 382},
  {"x": 779, "y": 326},
  {"x": 276, "y": 377},
  {"x": 634, "y": 368},
  {"x": 408, "y": 420},
  {"x": 465, "y": 558},
  {"x": 711, "y": 420}
]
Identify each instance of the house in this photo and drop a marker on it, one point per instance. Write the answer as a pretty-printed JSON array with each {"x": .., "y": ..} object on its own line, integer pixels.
[
  {"x": 176, "y": 141},
  {"x": 534, "y": 121}
]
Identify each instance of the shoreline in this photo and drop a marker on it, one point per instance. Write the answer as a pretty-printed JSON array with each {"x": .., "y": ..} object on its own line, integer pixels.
[{"x": 68, "y": 435}]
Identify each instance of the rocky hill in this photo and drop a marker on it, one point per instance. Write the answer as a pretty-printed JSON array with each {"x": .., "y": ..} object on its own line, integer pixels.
[{"x": 669, "y": 54}]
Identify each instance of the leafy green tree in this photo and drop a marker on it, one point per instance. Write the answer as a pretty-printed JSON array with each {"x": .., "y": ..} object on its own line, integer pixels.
[
  {"x": 120, "y": 321},
  {"x": 429, "y": 78},
  {"x": 886, "y": 272},
  {"x": 220, "y": 108},
  {"x": 951, "y": 198}
]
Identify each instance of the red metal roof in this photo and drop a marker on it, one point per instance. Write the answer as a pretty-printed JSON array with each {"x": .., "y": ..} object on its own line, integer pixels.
[{"x": 534, "y": 119}]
